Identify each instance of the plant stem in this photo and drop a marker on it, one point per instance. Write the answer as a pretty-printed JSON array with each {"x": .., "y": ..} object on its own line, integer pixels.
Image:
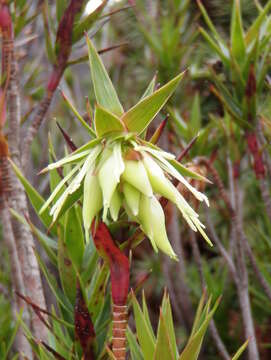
[{"x": 120, "y": 319}]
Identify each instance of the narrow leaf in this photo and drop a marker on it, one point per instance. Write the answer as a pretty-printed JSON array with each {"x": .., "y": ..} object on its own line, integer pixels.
[
  {"x": 74, "y": 237},
  {"x": 144, "y": 335},
  {"x": 150, "y": 88},
  {"x": 238, "y": 45},
  {"x": 77, "y": 115},
  {"x": 35, "y": 198},
  {"x": 139, "y": 117},
  {"x": 105, "y": 92},
  {"x": 106, "y": 122},
  {"x": 163, "y": 349},
  {"x": 240, "y": 351}
]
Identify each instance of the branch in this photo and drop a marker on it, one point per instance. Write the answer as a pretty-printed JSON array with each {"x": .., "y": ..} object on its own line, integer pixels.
[
  {"x": 64, "y": 45},
  {"x": 16, "y": 198}
]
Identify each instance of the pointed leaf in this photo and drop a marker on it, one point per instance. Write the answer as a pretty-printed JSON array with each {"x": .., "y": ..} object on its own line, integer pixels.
[
  {"x": 52, "y": 282},
  {"x": 139, "y": 117},
  {"x": 87, "y": 22},
  {"x": 106, "y": 122},
  {"x": 144, "y": 334},
  {"x": 192, "y": 349},
  {"x": 105, "y": 92},
  {"x": 66, "y": 270},
  {"x": 150, "y": 88},
  {"x": 240, "y": 351},
  {"x": 254, "y": 29},
  {"x": 163, "y": 349},
  {"x": 214, "y": 45},
  {"x": 195, "y": 118},
  {"x": 77, "y": 115},
  {"x": 74, "y": 237},
  {"x": 35, "y": 198},
  {"x": 49, "y": 245},
  {"x": 167, "y": 314},
  {"x": 135, "y": 351},
  {"x": 238, "y": 45}
]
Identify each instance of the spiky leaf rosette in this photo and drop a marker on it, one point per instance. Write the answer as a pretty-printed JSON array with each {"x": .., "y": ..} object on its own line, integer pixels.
[{"x": 119, "y": 170}]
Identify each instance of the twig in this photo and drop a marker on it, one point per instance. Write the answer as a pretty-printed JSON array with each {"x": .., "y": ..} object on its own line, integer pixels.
[
  {"x": 242, "y": 275},
  {"x": 64, "y": 42}
]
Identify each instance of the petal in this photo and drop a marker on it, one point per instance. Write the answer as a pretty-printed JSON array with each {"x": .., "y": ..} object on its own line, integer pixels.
[
  {"x": 115, "y": 205},
  {"x": 66, "y": 160},
  {"x": 160, "y": 238},
  {"x": 145, "y": 220},
  {"x": 59, "y": 187},
  {"x": 135, "y": 174},
  {"x": 109, "y": 177},
  {"x": 172, "y": 171},
  {"x": 92, "y": 200},
  {"x": 132, "y": 196}
]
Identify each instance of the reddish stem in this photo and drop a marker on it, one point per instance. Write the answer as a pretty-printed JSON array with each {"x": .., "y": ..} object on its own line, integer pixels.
[
  {"x": 254, "y": 149},
  {"x": 120, "y": 272}
]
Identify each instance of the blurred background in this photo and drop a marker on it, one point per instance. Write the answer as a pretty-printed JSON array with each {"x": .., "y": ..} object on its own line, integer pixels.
[{"x": 162, "y": 38}]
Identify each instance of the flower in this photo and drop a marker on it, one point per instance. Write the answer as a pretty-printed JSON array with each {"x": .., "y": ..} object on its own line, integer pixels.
[{"x": 119, "y": 172}]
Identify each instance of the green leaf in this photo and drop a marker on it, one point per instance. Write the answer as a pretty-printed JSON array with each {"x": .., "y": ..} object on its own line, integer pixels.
[
  {"x": 105, "y": 92},
  {"x": 48, "y": 41},
  {"x": 187, "y": 172},
  {"x": 192, "y": 349},
  {"x": 74, "y": 237},
  {"x": 150, "y": 88},
  {"x": 49, "y": 245},
  {"x": 135, "y": 351},
  {"x": 240, "y": 351},
  {"x": 54, "y": 175},
  {"x": 220, "y": 45},
  {"x": 69, "y": 202},
  {"x": 13, "y": 334},
  {"x": 238, "y": 46},
  {"x": 77, "y": 115},
  {"x": 195, "y": 118},
  {"x": 87, "y": 22},
  {"x": 214, "y": 46},
  {"x": 106, "y": 122},
  {"x": 66, "y": 270},
  {"x": 146, "y": 315},
  {"x": 144, "y": 333},
  {"x": 254, "y": 29},
  {"x": 139, "y": 116},
  {"x": 35, "y": 198},
  {"x": 168, "y": 320},
  {"x": 98, "y": 288},
  {"x": 60, "y": 8},
  {"x": 52, "y": 282},
  {"x": 163, "y": 349}
]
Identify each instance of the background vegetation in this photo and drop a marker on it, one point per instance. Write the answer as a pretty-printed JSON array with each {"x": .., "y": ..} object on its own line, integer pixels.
[{"x": 218, "y": 123}]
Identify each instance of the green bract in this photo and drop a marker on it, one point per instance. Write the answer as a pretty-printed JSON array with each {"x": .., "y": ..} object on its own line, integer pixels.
[{"x": 120, "y": 171}]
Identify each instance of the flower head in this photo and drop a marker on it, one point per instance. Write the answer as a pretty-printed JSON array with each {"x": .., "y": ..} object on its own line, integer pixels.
[{"x": 119, "y": 172}]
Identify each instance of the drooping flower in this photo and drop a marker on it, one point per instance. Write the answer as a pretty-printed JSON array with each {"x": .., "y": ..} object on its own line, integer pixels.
[{"x": 120, "y": 170}]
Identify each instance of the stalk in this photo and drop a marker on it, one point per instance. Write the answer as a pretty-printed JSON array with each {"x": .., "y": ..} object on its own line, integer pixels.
[{"x": 120, "y": 272}]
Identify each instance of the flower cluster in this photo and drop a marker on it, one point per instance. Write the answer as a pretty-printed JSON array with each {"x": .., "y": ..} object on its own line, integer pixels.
[
  {"x": 119, "y": 173},
  {"x": 129, "y": 173}
]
